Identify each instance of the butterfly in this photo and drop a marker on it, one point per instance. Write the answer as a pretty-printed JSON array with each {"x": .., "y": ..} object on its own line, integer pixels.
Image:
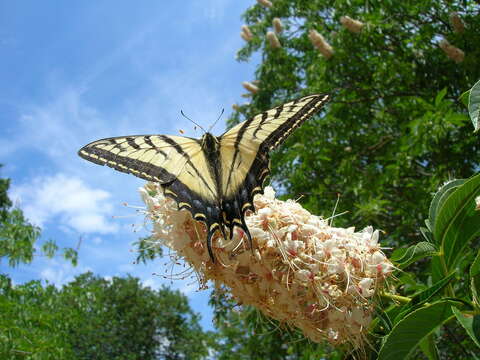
[{"x": 214, "y": 177}]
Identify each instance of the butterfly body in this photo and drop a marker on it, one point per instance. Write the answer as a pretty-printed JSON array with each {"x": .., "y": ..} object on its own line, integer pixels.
[{"x": 215, "y": 178}]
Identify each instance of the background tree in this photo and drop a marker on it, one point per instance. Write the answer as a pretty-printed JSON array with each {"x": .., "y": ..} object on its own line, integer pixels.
[
  {"x": 244, "y": 333},
  {"x": 394, "y": 130},
  {"x": 91, "y": 317},
  {"x": 393, "y": 133},
  {"x": 18, "y": 236},
  {"x": 121, "y": 319}
]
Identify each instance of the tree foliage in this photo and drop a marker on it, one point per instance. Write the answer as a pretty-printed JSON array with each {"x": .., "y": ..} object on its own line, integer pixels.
[
  {"x": 394, "y": 130},
  {"x": 94, "y": 318},
  {"x": 18, "y": 236},
  {"x": 90, "y": 317}
]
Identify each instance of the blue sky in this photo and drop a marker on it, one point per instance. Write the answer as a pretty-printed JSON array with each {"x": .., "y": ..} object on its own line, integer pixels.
[{"x": 74, "y": 72}]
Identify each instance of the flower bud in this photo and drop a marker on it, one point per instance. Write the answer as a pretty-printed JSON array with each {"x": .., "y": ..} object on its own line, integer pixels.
[
  {"x": 273, "y": 40},
  {"x": 265, "y": 3},
  {"x": 451, "y": 51},
  {"x": 250, "y": 87},
  {"x": 457, "y": 23},
  {"x": 277, "y": 25},
  {"x": 320, "y": 43},
  {"x": 352, "y": 25}
]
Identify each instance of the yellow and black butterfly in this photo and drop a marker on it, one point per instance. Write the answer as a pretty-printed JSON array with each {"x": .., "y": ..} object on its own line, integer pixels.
[{"x": 215, "y": 178}]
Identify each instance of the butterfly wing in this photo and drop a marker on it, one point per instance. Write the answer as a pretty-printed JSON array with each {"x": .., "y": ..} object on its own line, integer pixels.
[
  {"x": 244, "y": 153},
  {"x": 177, "y": 163}
]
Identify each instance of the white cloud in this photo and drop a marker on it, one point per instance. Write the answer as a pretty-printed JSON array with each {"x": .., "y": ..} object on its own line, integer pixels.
[
  {"x": 67, "y": 200},
  {"x": 61, "y": 272}
]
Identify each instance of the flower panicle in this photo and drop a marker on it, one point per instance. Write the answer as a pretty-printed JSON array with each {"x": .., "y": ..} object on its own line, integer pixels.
[
  {"x": 302, "y": 272},
  {"x": 273, "y": 40},
  {"x": 246, "y": 33},
  {"x": 451, "y": 51},
  {"x": 457, "y": 23},
  {"x": 277, "y": 25},
  {"x": 320, "y": 43},
  {"x": 265, "y": 3},
  {"x": 250, "y": 86},
  {"x": 354, "y": 26}
]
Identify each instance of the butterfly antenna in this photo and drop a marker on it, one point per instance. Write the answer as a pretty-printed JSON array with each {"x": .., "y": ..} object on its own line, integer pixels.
[
  {"x": 186, "y": 117},
  {"x": 215, "y": 123}
]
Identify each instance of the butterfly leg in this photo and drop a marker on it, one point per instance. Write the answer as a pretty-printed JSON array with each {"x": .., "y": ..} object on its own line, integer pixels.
[
  {"x": 247, "y": 232},
  {"x": 209, "y": 244}
]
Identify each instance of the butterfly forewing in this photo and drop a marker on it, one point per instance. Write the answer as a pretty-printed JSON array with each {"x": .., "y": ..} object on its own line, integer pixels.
[
  {"x": 155, "y": 158},
  {"x": 246, "y": 145}
]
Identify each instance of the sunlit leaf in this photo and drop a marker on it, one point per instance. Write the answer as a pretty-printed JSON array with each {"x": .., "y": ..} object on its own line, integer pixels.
[
  {"x": 474, "y": 105},
  {"x": 404, "y": 257},
  {"x": 471, "y": 323},
  {"x": 407, "y": 334},
  {"x": 457, "y": 221}
]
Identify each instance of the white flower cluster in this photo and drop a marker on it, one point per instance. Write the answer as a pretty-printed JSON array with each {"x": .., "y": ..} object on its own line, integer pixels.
[{"x": 301, "y": 271}]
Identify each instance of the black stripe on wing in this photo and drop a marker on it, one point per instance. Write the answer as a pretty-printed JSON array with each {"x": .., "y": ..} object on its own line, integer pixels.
[
  {"x": 141, "y": 169},
  {"x": 201, "y": 209},
  {"x": 117, "y": 153},
  {"x": 283, "y": 131},
  {"x": 235, "y": 206},
  {"x": 313, "y": 104}
]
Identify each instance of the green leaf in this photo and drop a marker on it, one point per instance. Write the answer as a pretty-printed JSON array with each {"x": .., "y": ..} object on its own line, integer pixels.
[
  {"x": 427, "y": 294},
  {"x": 427, "y": 234},
  {"x": 404, "y": 257},
  {"x": 440, "y": 96},
  {"x": 474, "y": 105},
  {"x": 464, "y": 98},
  {"x": 407, "y": 334},
  {"x": 475, "y": 267},
  {"x": 423, "y": 296},
  {"x": 475, "y": 280},
  {"x": 429, "y": 348},
  {"x": 439, "y": 198},
  {"x": 457, "y": 221},
  {"x": 471, "y": 324}
]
